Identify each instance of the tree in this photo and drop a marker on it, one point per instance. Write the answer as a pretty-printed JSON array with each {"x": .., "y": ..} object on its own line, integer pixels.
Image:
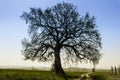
[{"x": 61, "y": 28}]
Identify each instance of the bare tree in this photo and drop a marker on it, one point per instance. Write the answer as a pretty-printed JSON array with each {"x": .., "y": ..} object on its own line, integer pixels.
[{"x": 61, "y": 28}]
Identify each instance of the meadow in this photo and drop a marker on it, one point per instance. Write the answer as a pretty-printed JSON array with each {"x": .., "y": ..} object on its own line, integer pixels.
[{"x": 17, "y": 74}]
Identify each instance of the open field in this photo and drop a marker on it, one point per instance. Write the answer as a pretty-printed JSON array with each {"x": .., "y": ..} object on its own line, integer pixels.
[{"x": 16, "y": 74}]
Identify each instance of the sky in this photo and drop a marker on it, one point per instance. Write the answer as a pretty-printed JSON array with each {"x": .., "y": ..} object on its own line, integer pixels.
[{"x": 13, "y": 29}]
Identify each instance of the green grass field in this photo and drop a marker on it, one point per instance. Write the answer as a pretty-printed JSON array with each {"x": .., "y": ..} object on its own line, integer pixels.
[{"x": 16, "y": 74}]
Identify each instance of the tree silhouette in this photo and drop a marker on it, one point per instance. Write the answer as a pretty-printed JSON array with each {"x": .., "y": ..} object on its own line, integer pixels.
[{"x": 61, "y": 28}]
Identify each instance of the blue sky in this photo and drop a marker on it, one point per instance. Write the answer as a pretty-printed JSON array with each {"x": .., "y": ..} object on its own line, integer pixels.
[{"x": 13, "y": 29}]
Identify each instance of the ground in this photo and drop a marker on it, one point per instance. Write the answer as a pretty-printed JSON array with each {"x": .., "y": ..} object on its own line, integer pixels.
[{"x": 17, "y": 74}]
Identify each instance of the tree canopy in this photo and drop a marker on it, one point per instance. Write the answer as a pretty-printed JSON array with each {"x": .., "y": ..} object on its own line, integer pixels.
[{"x": 61, "y": 28}]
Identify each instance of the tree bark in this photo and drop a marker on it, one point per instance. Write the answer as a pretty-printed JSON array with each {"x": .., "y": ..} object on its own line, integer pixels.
[{"x": 58, "y": 68}]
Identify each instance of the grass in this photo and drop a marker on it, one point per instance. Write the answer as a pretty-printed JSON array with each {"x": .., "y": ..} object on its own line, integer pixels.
[
  {"x": 99, "y": 75},
  {"x": 16, "y": 74},
  {"x": 104, "y": 75},
  {"x": 12, "y": 74}
]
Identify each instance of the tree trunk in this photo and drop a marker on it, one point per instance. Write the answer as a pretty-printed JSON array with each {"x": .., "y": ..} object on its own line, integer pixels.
[{"x": 57, "y": 64}]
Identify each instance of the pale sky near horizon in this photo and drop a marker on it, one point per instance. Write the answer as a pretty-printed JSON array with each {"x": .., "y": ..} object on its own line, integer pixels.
[{"x": 13, "y": 29}]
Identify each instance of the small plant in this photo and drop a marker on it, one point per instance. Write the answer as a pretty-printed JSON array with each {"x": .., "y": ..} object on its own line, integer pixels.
[
  {"x": 115, "y": 70},
  {"x": 112, "y": 70},
  {"x": 93, "y": 69},
  {"x": 118, "y": 69}
]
